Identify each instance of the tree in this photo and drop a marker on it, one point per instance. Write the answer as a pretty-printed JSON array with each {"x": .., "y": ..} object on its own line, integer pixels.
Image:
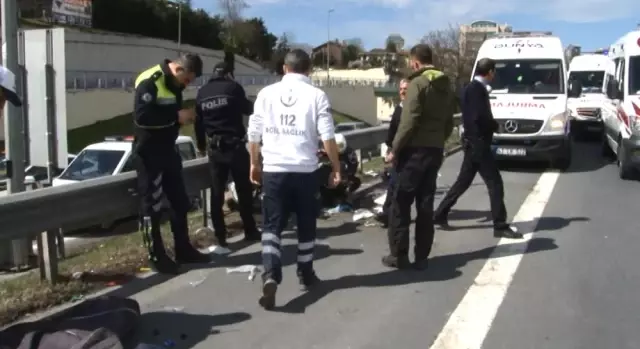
[
  {"x": 391, "y": 47},
  {"x": 357, "y": 42},
  {"x": 281, "y": 50},
  {"x": 449, "y": 54},
  {"x": 350, "y": 53}
]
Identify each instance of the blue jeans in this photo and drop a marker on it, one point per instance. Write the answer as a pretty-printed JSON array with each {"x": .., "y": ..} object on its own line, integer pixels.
[{"x": 286, "y": 193}]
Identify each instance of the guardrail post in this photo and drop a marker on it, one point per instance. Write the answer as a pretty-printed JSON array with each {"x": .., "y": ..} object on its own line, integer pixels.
[{"x": 48, "y": 256}]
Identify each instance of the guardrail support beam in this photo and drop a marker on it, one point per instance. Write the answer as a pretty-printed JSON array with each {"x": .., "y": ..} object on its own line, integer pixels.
[{"x": 48, "y": 256}]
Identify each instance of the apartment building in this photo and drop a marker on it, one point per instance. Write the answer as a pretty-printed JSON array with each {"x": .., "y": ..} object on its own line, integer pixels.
[{"x": 473, "y": 35}]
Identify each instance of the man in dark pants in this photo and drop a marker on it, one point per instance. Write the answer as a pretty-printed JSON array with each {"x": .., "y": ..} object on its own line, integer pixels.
[
  {"x": 479, "y": 127},
  {"x": 289, "y": 117},
  {"x": 158, "y": 114},
  {"x": 383, "y": 217},
  {"x": 418, "y": 148},
  {"x": 220, "y": 107}
]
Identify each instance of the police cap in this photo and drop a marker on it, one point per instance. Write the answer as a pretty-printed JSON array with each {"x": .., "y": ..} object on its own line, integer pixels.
[{"x": 222, "y": 69}]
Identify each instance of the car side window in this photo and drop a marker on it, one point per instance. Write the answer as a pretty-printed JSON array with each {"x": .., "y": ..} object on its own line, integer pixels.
[{"x": 128, "y": 166}]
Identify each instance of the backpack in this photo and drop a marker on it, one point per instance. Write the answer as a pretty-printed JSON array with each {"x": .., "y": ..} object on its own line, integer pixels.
[{"x": 97, "y": 323}]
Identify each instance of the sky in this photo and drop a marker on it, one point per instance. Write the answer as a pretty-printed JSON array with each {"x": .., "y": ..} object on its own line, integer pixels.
[{"x": 588, "y": 23}]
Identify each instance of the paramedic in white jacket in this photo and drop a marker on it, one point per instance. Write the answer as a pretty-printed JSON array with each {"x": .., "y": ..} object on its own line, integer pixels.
[{"x": 290, "y": 117}]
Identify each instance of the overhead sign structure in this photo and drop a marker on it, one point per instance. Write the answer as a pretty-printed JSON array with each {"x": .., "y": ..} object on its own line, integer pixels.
[{"x": 74, "y": 12}]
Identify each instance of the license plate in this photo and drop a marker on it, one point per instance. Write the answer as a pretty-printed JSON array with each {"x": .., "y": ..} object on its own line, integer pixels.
[{"x": 511, "y": 151}]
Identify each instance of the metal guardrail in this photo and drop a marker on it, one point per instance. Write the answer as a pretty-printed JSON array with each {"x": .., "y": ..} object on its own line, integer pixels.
[
  {"x": 90, "y": 80},
  {"x": 91, "y": 202}
]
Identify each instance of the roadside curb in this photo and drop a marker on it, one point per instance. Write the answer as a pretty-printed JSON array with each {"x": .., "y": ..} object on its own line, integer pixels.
[{"x": 159, "y": 284}]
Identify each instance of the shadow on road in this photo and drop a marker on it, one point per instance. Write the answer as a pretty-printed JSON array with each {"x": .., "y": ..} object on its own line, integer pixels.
[
  {"x": 441, "y": 268},
  {"x": 543, "y": 224},
  {"x": 182, "y": 330}
]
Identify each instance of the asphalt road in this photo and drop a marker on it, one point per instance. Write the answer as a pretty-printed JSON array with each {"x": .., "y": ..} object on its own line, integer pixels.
[{"x": 569, "y": 284}]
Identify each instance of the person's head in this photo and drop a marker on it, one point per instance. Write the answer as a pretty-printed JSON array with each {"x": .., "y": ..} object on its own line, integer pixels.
[
  {"x": 223, "y": 70},
  {"x": 186, "y": 68},
  {"x": 420, "y": 56},
  {"x": 402, "y": 89},
  {"x": 486, "y": 68},
  {"x": 8, "y": 88},
  {"x": 297, "y": 62}
]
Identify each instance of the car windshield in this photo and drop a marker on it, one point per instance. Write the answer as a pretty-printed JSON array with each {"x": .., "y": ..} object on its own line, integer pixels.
[
  {"x": 592, "y": 81},
  {"x": 634, "y": 75},
  {"x": 93, "y": 163},
  {"x": 530, "y": 76}
]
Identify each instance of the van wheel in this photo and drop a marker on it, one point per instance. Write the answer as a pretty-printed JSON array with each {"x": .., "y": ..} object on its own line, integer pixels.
[{"x": 624, "y": 171}]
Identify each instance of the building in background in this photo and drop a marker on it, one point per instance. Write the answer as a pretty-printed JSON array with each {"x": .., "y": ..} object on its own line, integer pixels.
[
  {"x": 70, "y": 12},
  {"x": 473, "y": 35},
  {"x": 335, "y": 51}
]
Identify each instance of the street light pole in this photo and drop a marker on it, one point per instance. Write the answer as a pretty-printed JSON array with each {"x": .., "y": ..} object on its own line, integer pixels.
[
  {"x": 328, "y": 41},
  {"x": 179, "y": 26}
]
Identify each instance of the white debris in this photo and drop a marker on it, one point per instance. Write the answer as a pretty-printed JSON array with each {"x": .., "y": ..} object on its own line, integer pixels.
[
  {"x": 219, "y": 250},
  {"x": 361, "y": 214},
  {"x": 380, "y": 199},
  {"x": 371, "y": 173},
  {"x": 174, "y": 309},
  {"x": 253, "y": 270},
  {"x": 199, "y": 281}
]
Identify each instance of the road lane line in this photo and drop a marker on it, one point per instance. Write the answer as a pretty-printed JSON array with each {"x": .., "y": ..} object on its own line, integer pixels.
[{"x": 470, "y": 322}]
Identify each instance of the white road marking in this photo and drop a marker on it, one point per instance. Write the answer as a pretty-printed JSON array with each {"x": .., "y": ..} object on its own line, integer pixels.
[{"x": 470, "y": 322}]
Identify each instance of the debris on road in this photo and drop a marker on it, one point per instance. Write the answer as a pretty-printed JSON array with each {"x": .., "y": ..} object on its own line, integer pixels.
[
  {"x": 362, "y": 214},
  {"x": 174, "y": 309},
  {"x": 371, "y": 173},
  {"x": 253, "y": 270},
  {"x": 219, "y": 250},
  {"x": 200, "y": 281},
  {"x": 338, "y": 209}
]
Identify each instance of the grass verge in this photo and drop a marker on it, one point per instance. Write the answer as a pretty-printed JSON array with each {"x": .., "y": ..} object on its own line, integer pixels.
[{"x": 112, "y": 261}]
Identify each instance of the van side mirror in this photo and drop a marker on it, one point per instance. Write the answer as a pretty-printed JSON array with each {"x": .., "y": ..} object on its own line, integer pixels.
[
  {"x": 612, "y": 89},
  {"x": 575, "y": 89}
]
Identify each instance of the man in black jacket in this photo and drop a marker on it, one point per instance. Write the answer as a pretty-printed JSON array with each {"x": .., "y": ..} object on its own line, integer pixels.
[
  {"x": 383, "y": 217},
  {"x": 479, "y": 127},
  {"x": 220, "y": 107}
]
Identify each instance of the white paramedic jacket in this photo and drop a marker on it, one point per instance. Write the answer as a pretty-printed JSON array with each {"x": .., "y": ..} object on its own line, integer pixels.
[{"x": 289, "y": 117}]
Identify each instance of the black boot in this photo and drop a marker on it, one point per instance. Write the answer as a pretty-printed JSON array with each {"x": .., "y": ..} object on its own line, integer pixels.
[
  {"x": 268, "y": 298},
  {"x": 187, "y": 254},
  {"x": 308, "y": 279},
  {"x": 161, "y": 263},
  {"x": 505, "y": 231},
  {"x": 253, "y": 235},
  {"x": 396, "y": 262}
]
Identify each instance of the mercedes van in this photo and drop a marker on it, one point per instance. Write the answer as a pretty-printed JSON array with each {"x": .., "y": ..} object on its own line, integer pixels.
[
  {"x": 529, "y": 98},
  {"x": 621, "y": 138}
]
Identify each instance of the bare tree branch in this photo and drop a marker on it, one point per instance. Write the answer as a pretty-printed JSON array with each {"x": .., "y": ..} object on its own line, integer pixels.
[{"x": 449, "y": 53}]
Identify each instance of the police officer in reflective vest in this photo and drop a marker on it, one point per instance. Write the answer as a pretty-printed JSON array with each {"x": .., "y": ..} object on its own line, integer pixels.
[
  {"x": 220, "y": 107},
  {"x": 158, "y": 115}
]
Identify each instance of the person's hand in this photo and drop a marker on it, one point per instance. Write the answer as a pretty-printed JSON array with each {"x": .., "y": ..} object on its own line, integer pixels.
[
  {"x": 389, "y": 158},
  {"x": 334, "y": 179},
  {"x": 255, "y": 174},
  {"x": 186, "y": 116}
]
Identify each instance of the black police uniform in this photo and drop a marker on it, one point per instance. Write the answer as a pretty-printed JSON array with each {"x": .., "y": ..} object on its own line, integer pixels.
[
  {"x": 479, "y": 126},
  {"x": 220, "y": 107},
  {"x": 158, "y": 98}
]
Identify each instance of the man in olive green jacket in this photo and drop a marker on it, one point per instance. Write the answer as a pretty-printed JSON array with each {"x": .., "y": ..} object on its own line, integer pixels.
[{"x": 417, "y": 152}]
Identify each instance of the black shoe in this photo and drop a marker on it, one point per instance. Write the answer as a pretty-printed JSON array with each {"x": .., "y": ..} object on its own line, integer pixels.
[
  {"x": 189, "y": 255},
  {"x": 252, "y": 237},
  {"x": 383, "y": 219},
  {"x": 308, "y": 280},
  {"x": 268, "y": 299},
  {"x": 506, "y": 231},
  {"x": 396, "y": 262},
  {"x": 443, "y": 222},
  {"x": 421, "y": 264},
  {"x": 161, "y": 263}
]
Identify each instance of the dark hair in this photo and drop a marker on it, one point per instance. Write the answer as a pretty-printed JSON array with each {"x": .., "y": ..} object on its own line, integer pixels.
[
  {"x": 191, "y": 63},
  {"x": 422, "y": 53},
  {"x": 298, "y": 61},
  {"x": 484, "y": 66}
]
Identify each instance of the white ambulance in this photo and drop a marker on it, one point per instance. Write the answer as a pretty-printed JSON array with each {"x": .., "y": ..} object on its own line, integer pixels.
[
  {"x": 622, "y": 116},
  {"x": 594, "y": 71},
  {"x": 529, "y": 98}
]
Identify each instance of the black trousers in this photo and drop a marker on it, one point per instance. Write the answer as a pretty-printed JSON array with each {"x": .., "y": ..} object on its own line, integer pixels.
[
  {"x": 284, "y": 194},
  {"x": 160, "y": 177},
  {"x": 234, "y": 161},
  {"x": 417, "y": 173},
  {"x": 477, "y": 159}
]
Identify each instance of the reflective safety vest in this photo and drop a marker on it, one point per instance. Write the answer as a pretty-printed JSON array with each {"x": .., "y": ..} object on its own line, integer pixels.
[{"x": 164, "y": 98}]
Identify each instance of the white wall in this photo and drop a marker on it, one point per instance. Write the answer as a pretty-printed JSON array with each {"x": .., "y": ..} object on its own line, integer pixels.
[{"x": 127, "y": 53}]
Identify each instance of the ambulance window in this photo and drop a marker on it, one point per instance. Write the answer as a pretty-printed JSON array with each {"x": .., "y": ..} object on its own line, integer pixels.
[{"x": 634, "y": 75}]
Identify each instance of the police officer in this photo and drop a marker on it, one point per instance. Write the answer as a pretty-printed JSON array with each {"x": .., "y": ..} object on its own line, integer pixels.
[
  {"x": 158, "y": 115},
  {"x": 220, "y": 106}
]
